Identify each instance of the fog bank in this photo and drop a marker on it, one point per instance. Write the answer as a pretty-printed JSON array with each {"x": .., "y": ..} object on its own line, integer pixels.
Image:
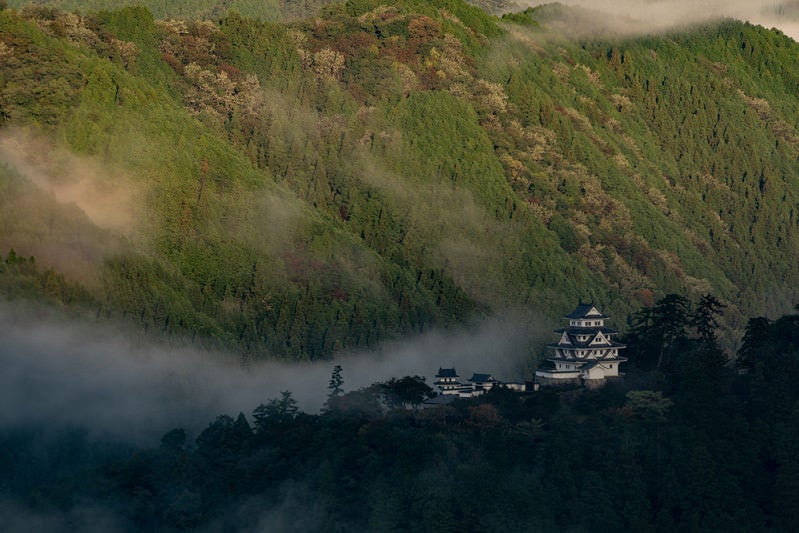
[
  {"x": 60, "y": 374},
  {"x": 633, "y": 17}
]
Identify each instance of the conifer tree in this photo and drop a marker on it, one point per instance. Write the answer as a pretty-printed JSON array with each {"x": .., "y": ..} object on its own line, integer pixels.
[{"x": 334, "y": 388}]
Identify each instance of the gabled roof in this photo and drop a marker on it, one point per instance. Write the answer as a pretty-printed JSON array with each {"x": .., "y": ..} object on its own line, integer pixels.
[
  {"x": 587, "y": 344},
  {"x": 582, "y": 330},
  {"x": 481, "y": 378},
  {"x": 586, "y": 311},
  {"x": 569, "y": 340},
  {"x": 601, "y": 363},
  {"x": 447, "y": 373}
]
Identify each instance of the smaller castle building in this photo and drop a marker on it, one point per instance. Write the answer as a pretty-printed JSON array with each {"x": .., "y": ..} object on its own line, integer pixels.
[
  {"x": 447, "y": 381},
  {"x": 448, "y": 384},
  {"x": 586, "y": 350},
  {"x": 482, "y": 382}
]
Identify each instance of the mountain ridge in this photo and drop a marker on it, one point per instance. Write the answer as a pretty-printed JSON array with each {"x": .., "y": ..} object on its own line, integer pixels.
[{"x": 383, "y": 168}]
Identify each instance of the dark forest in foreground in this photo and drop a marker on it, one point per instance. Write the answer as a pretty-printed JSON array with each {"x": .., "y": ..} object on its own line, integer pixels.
[{"x": 696, "y": 444}]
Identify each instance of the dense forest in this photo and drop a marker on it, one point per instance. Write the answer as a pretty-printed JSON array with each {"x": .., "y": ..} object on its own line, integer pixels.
[
  {"x": 294, "y": 186},
  {"x": 293, "y": 181},
  {"x": 694, "y": 445}
]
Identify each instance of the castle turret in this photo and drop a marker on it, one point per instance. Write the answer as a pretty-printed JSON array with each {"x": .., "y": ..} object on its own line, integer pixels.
[
  {"x": 447, "y": 381},
  {"x": 586, "y": 349}
]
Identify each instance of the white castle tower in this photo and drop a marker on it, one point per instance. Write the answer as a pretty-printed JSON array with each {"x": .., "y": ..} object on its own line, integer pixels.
[{"x": 586, "y": 349}]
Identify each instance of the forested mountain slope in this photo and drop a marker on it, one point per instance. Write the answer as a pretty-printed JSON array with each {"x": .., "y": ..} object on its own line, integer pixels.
[{"x": 291, "y": 189}]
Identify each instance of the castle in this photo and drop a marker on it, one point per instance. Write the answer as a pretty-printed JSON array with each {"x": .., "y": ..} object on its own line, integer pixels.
[{"x": 585, "y": 352}]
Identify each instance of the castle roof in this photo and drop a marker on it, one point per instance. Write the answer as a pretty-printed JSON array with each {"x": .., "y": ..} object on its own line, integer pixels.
[
  {"x": 481, "y": 378},
  {"x": 592, "y": 337},
  {"x": 585, "y": 311},
  {"x": 593, "y": 362},
  {"x": 447, "y": 373},
  {"x": 586, "y": 344},
  {"x": 587, "y": 329}
]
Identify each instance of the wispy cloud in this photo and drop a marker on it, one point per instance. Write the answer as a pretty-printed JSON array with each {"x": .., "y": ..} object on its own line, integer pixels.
[
  {"x": 642, "y": 16},
  {"x": 58, "y": 374},
  {"x": 108, "y": 198}
]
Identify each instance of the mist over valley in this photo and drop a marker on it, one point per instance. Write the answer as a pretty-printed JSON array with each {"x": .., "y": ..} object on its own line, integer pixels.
[{"x": 228, "y": 231}]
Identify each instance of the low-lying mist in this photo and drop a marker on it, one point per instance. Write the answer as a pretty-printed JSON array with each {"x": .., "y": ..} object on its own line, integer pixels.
[
  {"x": 107, "y": 197},
  {"x": 109, "y": 381},
  {"x": 634, "y": 17},
  {"x": 69, "y": 212}
]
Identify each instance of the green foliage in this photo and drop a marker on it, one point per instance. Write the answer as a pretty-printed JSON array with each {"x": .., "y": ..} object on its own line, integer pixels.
[
  {"x": 468, "y": 15},
  {"x": 633, "y": 129},
  {"x": 649, "y": 406},
  {"x": 522, "y": 18},
  {"x": 275, "y": 414},
  {"x": 336, "y": 381},
  {"x": 407, "y": 391},
  {"x": 380, "y": 170},
  {"x": 660, "y": 335},
  {"x": 261, "y": 48},
  {"x": 38, "y": 83},
  {"x": 21, "y": 280}
]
